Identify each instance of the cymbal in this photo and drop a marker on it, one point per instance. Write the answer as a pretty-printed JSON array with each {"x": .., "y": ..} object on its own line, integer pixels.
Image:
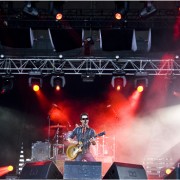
[{"x": 58, "y": 126}]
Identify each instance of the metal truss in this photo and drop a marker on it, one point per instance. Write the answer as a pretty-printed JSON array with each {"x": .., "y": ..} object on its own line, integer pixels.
[{"x": 95, "y": 65}]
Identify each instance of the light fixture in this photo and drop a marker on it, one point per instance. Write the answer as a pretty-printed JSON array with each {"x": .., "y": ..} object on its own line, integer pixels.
[
  {"x": 56, "y": 9},
  {"x": 141, "y": 84},
  {"x": 2, "y": 56},
  {"x": 60, "y": 56},
  {"x": 88, "y": 77},
  {"x": 117, "y": 57},
  {"x": 35, "y": 83},
  {"x": 30, "y": 8},
  {"x": 122, "y": 8},
  {"x": 57, "y": 82},
  {"x": 7, "y": 83},
  {"x": 148, "y": 9},
  {"x": 118, "y": 82},
  {"x": 176, "y": 56}
]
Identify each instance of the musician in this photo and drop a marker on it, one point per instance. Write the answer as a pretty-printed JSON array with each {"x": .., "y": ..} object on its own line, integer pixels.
[{"x": 83, "y": 133}]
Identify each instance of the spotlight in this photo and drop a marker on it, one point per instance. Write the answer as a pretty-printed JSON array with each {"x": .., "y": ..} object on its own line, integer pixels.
[
  {"x": 88, "y": 77},
  {"x": 118, "y": 82},
  {"x": 60, "y": 56},
  {"x": 35, "y": 83},
  {"x": 30, "y": 9},
  {"x": 148, "y": 9},
  {"x": 140, "y": 84},
  {"x": 56, "y": 8},
  {"x": 176, "y": 56},
  {"x": 2, "y": 56},
  {"x": 57, "y": 82},
  {"x": 7, "y": 84},
  {"x": 117, "y": 57},
  {"x": 121, "y": 9},
  {"x": 59, "y": 16}
]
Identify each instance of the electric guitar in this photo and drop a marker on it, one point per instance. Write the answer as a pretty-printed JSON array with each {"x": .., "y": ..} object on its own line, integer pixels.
[{"x": 73, "y": 150}]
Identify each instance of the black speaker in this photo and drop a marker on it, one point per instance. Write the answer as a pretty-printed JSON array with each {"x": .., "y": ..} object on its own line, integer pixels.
[
  {"x": 116, "y": 39},
  {"x": 82, "y": 170},
  {"x": 40, "y": 170},
  {"x": 175, "y": 174},
  {"x": 125, "y": 171}
]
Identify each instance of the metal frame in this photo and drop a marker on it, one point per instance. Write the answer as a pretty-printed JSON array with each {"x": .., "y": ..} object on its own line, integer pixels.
[{"x": 96, "y": 65}]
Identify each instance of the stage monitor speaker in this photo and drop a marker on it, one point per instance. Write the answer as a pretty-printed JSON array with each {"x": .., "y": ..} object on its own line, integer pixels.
[
  {"x": 175, "y": 174},
  {"x": 125, "y": 171},
  {"x": 40, "y": 170},
  {"x": 82, "y": 170}
]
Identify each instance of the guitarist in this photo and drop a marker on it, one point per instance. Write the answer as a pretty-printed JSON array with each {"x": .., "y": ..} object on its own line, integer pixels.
[{"x": 83, "y": 133}]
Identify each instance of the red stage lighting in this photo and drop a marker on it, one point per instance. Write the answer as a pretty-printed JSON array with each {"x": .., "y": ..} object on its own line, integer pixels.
[
  {"x": 36, "y": 87},
  {"x": 140, "y": 88},
  {"x": 118, "y": 88},
  {"x": 59, "y": 16},
  {"x": 118, "y": 16},
  {"x": 58, "y": 88},
  {"x": 118, "y": 82},
  {"x": 10, "y": 168},
  {"x": 5, "y": 170},
  {"x": 35, "y": 83},
  {"x": 57, "y": 82},
  {"x": 141, "y": 84}
]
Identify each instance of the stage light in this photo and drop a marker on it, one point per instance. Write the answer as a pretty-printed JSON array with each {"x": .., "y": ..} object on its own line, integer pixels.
[
  {"x": 140, "y": 88},
  {"x": 57, "y": 82},
  {"x": 2, "y": 56},
  {"x": 5, "y": 170},
  {"x": 118, "y": 82},
  {"x": 176, "y": 56},
  {"x": 10, "y": 168},
  {"x": 7, "y": 83},
  {"x": 168, "y": 170},
  {"x": 36, "y": 87},
  {"x": 141, "y": 84},
  {"x": 59, "y": 16},
  {"x": 118, "y": 16},
  {"x": 35, "y": 83},
  {"x": 30, "y": 9},
  {"x": 148, "y": 9},
  {"x": 56, "y": 9},
  {"x": 88, "y": 77},
  {"x": 60, "y": 56},
  {"x": 117, "y": 57},
  {"x": 121, "y": 9}
]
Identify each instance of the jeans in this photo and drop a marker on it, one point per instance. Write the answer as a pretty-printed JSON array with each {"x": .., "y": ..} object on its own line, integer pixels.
[{"x": 85, "y": 156}]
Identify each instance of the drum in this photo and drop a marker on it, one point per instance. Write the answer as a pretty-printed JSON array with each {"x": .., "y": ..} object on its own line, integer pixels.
[
  {"x": 40, "y": 151},
  {"x": 58, "y": 149}
]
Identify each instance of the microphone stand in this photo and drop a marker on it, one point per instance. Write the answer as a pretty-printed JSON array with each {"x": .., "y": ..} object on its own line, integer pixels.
[
  {"x": 49, "y": 135},
  {"x": 56, "y": 136}
]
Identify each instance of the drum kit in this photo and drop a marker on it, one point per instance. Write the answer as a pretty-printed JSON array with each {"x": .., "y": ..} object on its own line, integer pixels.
[{"x": 53, "y": 148}]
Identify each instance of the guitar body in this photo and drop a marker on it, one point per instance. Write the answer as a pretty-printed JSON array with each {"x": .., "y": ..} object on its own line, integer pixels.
[{"x": 72, "y": 151}]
